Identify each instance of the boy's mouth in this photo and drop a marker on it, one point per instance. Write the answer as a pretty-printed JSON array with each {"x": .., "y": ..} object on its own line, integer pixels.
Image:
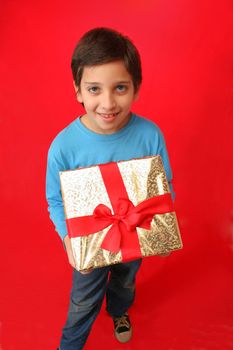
[{"x": 108, "y": 116}]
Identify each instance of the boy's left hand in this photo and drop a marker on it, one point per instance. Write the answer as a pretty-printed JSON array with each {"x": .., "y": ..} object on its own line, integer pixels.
[
  {"x": 86, "y": 272},
  {"x": 165, "y": 254}
]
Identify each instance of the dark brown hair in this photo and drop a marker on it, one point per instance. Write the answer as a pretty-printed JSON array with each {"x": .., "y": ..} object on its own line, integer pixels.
[{"x": 103, "y": 45}]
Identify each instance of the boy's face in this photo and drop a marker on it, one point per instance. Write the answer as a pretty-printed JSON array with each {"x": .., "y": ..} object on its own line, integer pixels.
[{"x": 107, "y": 92}]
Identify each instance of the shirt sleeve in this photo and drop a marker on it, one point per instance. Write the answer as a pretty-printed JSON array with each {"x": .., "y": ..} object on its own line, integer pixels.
[
  {"x": 162, "y": 150},
  {"x": 53, "y": 192}
]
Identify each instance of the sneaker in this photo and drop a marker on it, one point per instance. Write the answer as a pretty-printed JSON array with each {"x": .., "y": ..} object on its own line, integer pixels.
[{"x": 122, "y": 328}]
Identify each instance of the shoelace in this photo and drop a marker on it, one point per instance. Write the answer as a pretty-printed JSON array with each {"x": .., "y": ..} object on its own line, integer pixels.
[{"x": 122, "y": 321}]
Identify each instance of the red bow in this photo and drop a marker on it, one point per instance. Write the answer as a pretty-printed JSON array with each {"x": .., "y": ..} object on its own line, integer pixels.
[{"x": 124, "y": 220}]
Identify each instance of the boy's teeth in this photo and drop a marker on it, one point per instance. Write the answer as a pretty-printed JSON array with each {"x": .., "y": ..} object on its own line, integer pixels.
[{"x": 109, "y": 115}]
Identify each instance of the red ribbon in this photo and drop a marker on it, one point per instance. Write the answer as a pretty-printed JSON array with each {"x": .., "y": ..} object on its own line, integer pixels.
[{"x": 126, "y": 217}]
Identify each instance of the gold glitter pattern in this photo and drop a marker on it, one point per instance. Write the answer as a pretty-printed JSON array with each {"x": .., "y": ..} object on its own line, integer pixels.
[
  {"x": 134, "y": 174},
  {"x": 83, "y": 189},
  {"x": 156, "y": 181},
  {"x": 164, "y": 235},
  {"x": 87, "y": 252}
]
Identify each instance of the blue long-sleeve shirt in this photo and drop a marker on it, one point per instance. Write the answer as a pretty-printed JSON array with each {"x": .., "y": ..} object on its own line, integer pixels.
[{"x": 76, "y": 146}]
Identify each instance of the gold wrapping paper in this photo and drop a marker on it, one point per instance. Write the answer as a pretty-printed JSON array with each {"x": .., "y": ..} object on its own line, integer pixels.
[{"x": 83, "y": 189}]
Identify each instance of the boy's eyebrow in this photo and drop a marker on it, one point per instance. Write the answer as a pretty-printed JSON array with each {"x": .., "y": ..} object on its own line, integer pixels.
[
  {"x": 117, "y": 82},
  {"x": 124, "y": 82},
  {"x": 91, "y": 82}
]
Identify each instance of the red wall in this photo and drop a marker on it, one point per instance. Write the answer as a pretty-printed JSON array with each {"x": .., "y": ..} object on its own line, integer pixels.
[{"x": 187, "y": 50}]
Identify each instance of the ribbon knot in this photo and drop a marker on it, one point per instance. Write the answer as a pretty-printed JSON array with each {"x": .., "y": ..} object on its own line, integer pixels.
[
  {"x": 118, "y": 217},
  {"x": 121, "y": 221},
  {"x": 124, "y": 220}
]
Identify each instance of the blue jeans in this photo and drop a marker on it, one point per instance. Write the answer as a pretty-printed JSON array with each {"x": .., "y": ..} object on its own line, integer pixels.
[{"x": 87, "y": 295}]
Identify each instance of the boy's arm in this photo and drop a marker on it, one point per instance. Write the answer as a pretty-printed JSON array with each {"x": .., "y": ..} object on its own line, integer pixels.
[
  {"x": 162, "y": 150},
  {"x": 55, "y": 204},
  {"x": 53, "y": 193},
  {"x": 54, "y": 199}
]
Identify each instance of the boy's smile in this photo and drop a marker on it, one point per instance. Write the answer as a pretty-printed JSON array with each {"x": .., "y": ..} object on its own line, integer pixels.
[{"x": 107, "y": 92}]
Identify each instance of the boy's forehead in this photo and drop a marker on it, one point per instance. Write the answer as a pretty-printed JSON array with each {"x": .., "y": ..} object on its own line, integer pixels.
[
  {"x": 118, "y": 81},
  {"x": 112, "y": 71}
]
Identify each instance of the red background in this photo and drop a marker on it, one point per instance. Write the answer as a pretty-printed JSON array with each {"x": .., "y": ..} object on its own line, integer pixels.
[{"x": 183, "y": 301}]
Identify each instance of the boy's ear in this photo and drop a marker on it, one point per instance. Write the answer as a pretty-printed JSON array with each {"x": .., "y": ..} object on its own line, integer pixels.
[
  {"x": 136, "y": 94},
  {"x": 77, "y": 92}
]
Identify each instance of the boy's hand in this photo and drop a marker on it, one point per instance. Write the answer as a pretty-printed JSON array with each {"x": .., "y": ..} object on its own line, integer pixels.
[
  {"x": 69, "y": 251},
  {"x": 86, "y": 272},
  {"x": 71, "y": 256},
  {"x": 165, "y": 254}
]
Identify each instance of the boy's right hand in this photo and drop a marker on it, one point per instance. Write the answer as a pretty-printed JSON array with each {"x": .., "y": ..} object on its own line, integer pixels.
[
  {"x": 71, "y": 256},
  {"x": 69, "y": 251}
]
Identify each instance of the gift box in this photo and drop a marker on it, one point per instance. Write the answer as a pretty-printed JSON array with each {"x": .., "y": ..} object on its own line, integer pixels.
[{"x": 119, "y": 211}]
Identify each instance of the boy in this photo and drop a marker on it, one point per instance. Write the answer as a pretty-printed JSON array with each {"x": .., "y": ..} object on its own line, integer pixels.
[{"x": 107, "y": 76}]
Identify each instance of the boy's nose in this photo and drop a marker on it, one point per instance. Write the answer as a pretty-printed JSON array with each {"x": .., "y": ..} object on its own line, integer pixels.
[{"x": 108, "y": 102}]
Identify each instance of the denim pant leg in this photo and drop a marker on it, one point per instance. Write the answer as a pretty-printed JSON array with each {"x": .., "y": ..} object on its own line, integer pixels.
[
  {"x": 85, "y": 303},
  {"x": 121, "y": 287}
]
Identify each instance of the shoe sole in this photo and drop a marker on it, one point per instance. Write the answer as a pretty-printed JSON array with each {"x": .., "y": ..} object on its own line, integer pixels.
[{"x": 124, "y": 337}]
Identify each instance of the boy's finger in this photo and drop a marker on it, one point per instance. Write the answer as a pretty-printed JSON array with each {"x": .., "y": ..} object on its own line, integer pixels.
[
  {"x": 165, "y": 254},
  {"x": 86, "y": 272}
]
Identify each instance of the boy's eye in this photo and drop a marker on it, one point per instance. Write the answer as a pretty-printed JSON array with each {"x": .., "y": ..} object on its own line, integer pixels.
[
  {"x": 121, "y": 88},
  {"x": 96, "y": 89},
  {"x": 93, "y": 89}
]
